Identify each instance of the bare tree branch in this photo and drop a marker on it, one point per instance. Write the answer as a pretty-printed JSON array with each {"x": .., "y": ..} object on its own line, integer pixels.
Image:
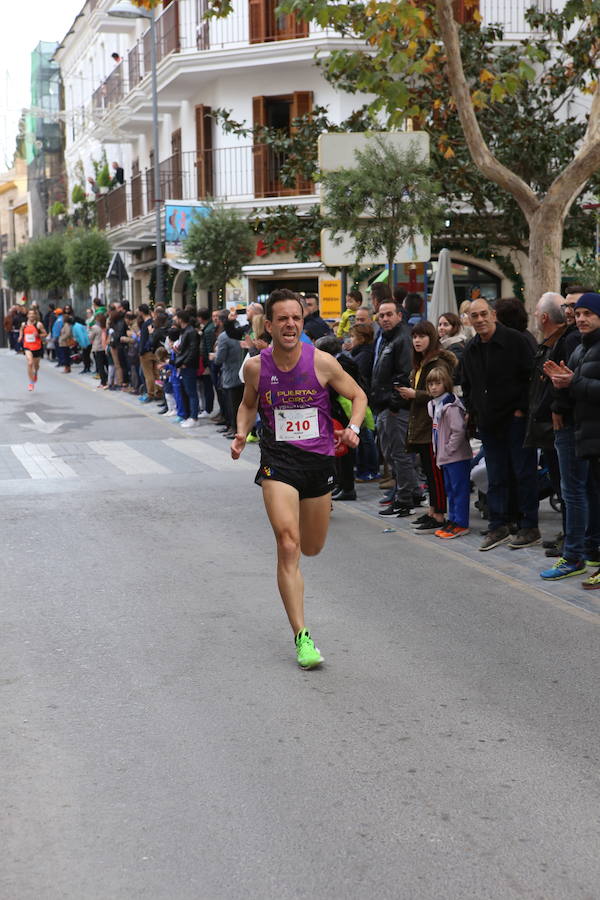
[
  {"x": 481, "y": 155},
  {"x": 571, "y": 181}
]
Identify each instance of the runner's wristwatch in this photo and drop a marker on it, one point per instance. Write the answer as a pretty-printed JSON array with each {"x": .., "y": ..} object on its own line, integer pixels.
[{"x": 354, "y": 428}]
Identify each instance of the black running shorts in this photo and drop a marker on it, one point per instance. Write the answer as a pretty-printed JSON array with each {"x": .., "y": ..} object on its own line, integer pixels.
[{"x": 308, "y": 482}]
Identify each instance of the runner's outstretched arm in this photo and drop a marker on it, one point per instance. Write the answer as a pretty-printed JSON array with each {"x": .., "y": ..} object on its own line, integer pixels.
[{"x": 246, "y": 416}]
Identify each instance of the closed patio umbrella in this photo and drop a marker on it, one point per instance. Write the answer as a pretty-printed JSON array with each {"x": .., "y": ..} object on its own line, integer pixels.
[{"x": 443, "y": 298}]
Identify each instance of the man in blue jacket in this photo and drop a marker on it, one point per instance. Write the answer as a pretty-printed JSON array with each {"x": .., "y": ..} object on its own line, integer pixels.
[{"x": 55, "y": 334}]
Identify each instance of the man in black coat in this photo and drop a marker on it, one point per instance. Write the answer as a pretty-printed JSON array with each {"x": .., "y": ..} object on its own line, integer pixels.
[
  {"x": 577, "y": 435},
  {"x": 187, "y": 361},
  {"x": 495, "y": 372},
  {"x": 554, "y": 331},
  {"x": 147, "y": 359},
  {"x": 314, "y": 326},
  {"x": 391, "y": 369}
]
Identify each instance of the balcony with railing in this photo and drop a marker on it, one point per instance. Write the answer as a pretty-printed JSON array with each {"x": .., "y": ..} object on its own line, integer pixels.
[
  {"x": 511, "y": 14},
  {"x": 227, "y": 174},
  {"x": 181, "y": 27},
  {"x": 111, "y": 91},
  {"x": 112, "y": 208}
]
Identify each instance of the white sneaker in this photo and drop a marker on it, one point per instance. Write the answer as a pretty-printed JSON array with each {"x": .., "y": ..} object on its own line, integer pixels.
[
  {"x": 189, "y": 423},
  {"x": 172, "y": 412},
  {"x": 203, "y": 414}
]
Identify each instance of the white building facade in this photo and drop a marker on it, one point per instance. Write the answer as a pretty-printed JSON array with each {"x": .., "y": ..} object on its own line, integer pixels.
[{"x": 255, "y": 64}]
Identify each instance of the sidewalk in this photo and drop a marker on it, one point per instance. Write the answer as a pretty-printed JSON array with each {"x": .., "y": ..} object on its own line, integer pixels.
[{"x": 522, "y": 565}]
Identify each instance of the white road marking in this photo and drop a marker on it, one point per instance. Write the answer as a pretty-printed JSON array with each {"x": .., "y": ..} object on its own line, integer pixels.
[
  {"x": 38, "y": 424},
  {"x": 128, "y": 460},
  {"x": 220, "y": 460},
  {"x": 40, "y": 461}
]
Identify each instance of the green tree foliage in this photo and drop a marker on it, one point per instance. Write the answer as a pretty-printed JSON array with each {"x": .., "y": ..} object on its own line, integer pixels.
[
  {"x": 387, "y": 200},
  {"x": 218, "y": 245},
  {"x": 47, "y": 264},
  {"x": 88, "y": 257},
  {"x": 522, "y": 95},
  {"x": 297, "y": 146},
  {"x": 104, "y": 180},
  {"x": 584, "y": 269},
  {"x": 78, "y": 194},
  {"x": 15, "y": 270},
  {"x": 298, "y": 230},
  {"x": 289, "y": 228},
  {"x": 57, "y": 209},
  {"x": 169, "y": 275}
]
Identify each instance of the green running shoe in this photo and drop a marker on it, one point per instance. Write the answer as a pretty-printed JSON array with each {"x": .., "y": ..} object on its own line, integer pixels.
[
  {"x": 592, "y": 583},
  {"x": 307, "y": 654}
]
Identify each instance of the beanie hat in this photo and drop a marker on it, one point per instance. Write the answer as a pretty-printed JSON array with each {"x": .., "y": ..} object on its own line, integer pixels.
[{"x": 589, "y": 301}]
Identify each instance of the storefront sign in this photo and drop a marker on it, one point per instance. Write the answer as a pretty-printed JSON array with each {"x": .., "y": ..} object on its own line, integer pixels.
[
  {"x": 330, "y": 298},
  {"x": 178, "y": 218}
]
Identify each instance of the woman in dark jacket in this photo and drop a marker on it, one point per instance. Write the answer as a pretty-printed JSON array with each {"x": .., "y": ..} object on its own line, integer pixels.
[
  {"x": 117, "y": 328},
  {"x": 361, "y": 351},
  {"x": 451, "y": 335},
  {"x": 510, "y": 311},
  {"x": 427, "y": 355}
]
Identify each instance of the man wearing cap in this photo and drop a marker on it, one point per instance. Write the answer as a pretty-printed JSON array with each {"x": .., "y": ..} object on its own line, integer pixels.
[{"x": 576, "y": 419}]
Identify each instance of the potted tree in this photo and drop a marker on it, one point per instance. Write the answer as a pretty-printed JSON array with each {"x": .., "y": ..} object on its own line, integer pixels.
[{"x": 103, "y": 179}]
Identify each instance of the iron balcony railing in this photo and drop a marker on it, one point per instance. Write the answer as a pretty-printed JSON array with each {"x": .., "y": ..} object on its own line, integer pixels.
[
  {"x": 511, "y": 14},
  {"x": 112, "y": 208},
  {"x": 226, "y": 174}
]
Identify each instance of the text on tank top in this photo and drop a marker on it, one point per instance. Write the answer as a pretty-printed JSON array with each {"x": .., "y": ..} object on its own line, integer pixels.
[
  {"x": 31, "y": 338},
  {"x": 294, "y": 405}
]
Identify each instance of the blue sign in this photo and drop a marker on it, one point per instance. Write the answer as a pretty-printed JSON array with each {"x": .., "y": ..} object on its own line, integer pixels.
[{"x": 178, "y": 218}]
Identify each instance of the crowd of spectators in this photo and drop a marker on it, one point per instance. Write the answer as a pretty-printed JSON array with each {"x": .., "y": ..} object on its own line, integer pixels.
[{"x": 476, "y": 381}]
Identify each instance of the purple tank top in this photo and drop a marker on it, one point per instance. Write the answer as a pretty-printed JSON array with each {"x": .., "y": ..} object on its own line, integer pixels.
[{"x": 294, "y": 406}]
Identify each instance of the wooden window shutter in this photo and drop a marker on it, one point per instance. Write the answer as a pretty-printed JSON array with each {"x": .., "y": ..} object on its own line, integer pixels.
[
  {"x": 174, "y": 173},
  {"x": 302, "y": 104},
  {"x": 464, "y": 10},
  {"x": 300, "y": 28},
  {"x": 260, "y": 152},
  {"x": 257, "y": 14},
  {"x": 204, "y": 152}
]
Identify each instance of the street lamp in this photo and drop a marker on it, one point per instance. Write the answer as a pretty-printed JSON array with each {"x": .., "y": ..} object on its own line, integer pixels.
[{"x": 126, "y": 10}]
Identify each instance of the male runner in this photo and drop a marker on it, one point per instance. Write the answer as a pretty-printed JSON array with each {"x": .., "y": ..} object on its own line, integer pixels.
[{"x": 289, "y": 383}]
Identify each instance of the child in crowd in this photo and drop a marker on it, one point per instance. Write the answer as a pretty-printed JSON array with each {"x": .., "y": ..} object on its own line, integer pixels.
[
  {"x": 164, "y": 381},
  {"x": 180, "y": 412},
  {"x": 452, "y": 450},
  {"x": 353, "y": 302}
]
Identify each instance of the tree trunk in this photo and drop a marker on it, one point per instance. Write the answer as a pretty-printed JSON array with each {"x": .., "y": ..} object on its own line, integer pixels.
[
  {"x": 545, "y": 244},
  {"x": 545, "y": 217}
]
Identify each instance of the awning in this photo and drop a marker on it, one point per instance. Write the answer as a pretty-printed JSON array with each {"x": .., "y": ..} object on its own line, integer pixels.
[
  {"x": 383, "y": 276},
  {"x": 117, "y": 268}
]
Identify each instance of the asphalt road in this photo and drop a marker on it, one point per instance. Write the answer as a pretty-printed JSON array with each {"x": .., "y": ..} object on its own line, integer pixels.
[{"x": 158, "y": 741}]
